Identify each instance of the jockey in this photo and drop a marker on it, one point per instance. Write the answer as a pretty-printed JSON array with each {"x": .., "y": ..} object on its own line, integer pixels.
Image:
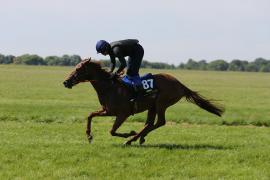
[{"x": 121, "y": 49}]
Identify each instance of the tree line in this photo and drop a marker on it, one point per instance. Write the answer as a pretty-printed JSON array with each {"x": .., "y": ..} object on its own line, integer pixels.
[
  {"x": 29, "y": 59},
  {"x": 258, "y": 65},
  {"x": 68, "y": 60}
]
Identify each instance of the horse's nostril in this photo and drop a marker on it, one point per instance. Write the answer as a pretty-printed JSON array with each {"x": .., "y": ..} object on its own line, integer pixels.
[{"x": 65, "y": 83}]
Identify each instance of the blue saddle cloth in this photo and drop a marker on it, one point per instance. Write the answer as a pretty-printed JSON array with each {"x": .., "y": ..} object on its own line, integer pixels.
[
  {"x": 132, "y": 81},
  {"x": 147, "y": 81}
]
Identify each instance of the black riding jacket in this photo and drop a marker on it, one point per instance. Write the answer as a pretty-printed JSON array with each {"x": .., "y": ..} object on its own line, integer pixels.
[{"x": 121, "y": 49}]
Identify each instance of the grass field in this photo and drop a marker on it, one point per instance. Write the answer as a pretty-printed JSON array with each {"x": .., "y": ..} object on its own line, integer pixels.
[
  {"x": 42, "y": 130},
  {"x": 61, "y": 151},
  {"x": 30, "y": 93}
]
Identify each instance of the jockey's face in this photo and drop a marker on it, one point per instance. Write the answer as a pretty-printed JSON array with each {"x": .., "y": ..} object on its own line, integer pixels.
[
  {"x": 106, "y": 50},
  {"x": 105, "y": 53}
]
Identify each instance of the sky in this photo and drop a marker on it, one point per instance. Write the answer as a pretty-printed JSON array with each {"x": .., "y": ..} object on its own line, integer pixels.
[{"x": 170, "y": 31}]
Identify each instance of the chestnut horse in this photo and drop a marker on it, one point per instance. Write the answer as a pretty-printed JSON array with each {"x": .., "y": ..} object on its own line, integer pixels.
[{"x": 114, "y": 97}]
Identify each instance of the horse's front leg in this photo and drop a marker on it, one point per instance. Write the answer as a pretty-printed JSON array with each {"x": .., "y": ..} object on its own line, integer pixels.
[{"x": 102, "y": 112}]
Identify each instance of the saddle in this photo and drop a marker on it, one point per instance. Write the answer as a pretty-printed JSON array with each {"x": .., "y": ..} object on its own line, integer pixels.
[
  {"x": 147, "y": 86},
  {"x": 146, "y": 89}
]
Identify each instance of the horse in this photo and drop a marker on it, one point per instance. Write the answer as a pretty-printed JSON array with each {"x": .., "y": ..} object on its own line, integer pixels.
[{"x": 114, "y": 97}]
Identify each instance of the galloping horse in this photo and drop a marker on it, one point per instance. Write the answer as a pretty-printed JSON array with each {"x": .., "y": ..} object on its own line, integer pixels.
[{"x": 114, "y": 96}]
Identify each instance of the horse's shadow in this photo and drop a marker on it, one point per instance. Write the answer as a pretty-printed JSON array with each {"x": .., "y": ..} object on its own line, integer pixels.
[{"x": 182, "y": 146}]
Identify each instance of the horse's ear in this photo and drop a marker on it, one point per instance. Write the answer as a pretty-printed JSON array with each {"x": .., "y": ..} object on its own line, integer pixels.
[{"x": 86, "y": 60}]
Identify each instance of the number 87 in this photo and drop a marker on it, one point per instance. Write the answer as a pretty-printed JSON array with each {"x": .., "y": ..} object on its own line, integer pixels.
[{"x": 147, "y": 83}]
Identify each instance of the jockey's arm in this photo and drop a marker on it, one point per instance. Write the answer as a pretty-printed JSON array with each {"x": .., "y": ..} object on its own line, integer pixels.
[
  {"x": 119, "y": 54},
  {"x": 112, "y": 63},
  {"x": 123, "y": 64}
]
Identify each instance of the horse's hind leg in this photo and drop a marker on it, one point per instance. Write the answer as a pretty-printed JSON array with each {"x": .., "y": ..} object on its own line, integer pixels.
[
  {"x": 160, "y": 122},
  {"x": 161, "y": 109},
  {"x": 118, "y": 122},
  {"x": 151, "y": 115}
]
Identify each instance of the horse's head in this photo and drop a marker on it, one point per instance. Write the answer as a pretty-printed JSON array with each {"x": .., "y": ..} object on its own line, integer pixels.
[{"x": 84, "y": 71}]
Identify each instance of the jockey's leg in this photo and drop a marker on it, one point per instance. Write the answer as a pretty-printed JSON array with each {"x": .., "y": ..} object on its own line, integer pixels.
[
  {"x": 136, "y": 83},
  {"x": 134, "y": 63}
]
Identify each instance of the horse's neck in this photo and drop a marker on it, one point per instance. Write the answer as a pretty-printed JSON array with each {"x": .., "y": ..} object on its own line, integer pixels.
[
  {"x": 101, "y": 87},
  {"x": 106, "y": 89}
]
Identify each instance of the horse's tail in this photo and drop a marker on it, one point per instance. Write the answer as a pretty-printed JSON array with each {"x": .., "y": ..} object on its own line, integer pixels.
[{"x": 202, "y": 102}]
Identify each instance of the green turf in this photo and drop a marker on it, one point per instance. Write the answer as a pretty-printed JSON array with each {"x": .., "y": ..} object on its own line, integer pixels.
[
  {"x": 36, "y": 93},
  {"x": 42, "y": 127},
  {"x": 60, "y": 151}
]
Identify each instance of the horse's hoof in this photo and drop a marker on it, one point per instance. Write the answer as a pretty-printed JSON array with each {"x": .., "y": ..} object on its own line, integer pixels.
[
  {"x": 128, "y": 143},
  {"x": 90, "y": 138},
  {"x": 133, "y": 133},
  {"x": 142, "y": 140}
]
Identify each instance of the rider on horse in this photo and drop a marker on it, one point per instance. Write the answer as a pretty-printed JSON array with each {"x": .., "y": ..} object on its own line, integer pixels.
[{"x": 121, "y": 49}]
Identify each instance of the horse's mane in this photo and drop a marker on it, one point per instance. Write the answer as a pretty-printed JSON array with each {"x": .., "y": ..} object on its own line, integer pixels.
[{"x": 96, "y": 65}]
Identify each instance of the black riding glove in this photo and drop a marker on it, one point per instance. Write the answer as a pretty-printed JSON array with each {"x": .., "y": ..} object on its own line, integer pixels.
[{"x": 114, "y": 75}]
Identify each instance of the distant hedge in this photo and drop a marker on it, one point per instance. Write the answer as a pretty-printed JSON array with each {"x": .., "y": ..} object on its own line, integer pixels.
[{"x": 258, "y": 65}]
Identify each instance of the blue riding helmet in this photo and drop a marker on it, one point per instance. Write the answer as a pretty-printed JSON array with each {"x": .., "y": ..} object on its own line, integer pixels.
[{"x": 101, "y": 46}]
